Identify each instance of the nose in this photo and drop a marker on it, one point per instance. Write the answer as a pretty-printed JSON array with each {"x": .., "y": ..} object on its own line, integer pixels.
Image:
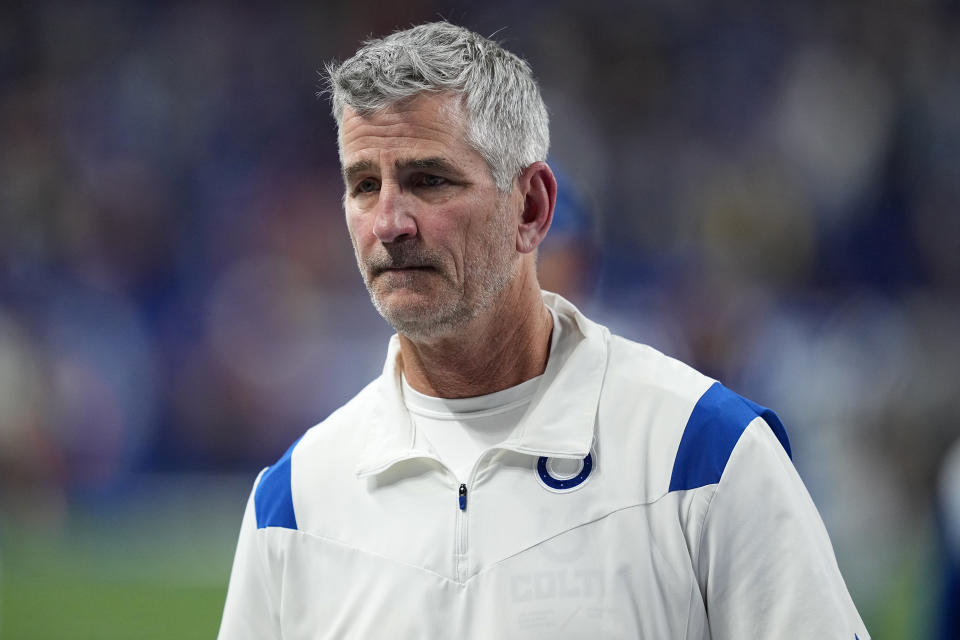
[{"x": 393, "y": 221}]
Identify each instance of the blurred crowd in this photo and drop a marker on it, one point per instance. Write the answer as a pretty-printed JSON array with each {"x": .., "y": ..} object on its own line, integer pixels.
[{"x": 768, "y": 191}]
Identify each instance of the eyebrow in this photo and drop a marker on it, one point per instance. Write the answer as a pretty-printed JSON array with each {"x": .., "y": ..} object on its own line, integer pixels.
[
  {"x": 433, "y": 163},
  {"x": 355, "y": 168}
]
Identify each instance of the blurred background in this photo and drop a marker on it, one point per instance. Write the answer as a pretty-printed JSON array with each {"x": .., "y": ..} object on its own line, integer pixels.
[{"x": 768, "y": 191}]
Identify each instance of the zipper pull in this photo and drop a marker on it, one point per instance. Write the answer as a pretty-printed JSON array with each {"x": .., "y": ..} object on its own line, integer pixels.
[{"x": 463, "y": 497}]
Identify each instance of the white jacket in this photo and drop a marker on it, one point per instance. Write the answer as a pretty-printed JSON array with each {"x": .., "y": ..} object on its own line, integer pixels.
[{"x": 686, "y": 520}]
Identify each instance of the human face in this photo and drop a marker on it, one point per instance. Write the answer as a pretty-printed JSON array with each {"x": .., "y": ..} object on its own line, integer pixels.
[{"x": 434, "y": 239}]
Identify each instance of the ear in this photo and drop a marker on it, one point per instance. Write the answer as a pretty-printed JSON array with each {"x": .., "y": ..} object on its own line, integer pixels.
[{"x": 538, "y": 187}]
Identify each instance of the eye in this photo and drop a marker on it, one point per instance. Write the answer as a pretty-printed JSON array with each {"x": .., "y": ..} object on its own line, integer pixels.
[
  {"x": 428, "y": 180},
  {"x": 367, "y": 185}
]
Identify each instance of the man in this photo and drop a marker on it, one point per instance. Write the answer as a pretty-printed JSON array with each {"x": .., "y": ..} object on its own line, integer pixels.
[{"x": 516, "y": 471}]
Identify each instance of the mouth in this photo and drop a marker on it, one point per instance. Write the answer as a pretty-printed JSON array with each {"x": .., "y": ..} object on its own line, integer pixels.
[
  {"x": 404, "y": 269},
  {"x": 407, "y": 267}
]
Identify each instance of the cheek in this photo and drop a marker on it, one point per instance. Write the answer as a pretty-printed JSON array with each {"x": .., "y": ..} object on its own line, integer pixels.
[
  {"x": 449, "y": 235},
  {"x": 358, "y": 230}
]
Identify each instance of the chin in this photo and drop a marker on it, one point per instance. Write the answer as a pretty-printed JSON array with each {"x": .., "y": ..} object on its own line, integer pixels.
[
  {"x": 425, "y": 319},
  {"x": 404, "y": 304}
]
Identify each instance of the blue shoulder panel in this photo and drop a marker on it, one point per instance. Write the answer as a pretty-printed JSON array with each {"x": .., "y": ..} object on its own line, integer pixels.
[
  {"x": 273, "y": 499},
  {"x": 713, "y": 430}
]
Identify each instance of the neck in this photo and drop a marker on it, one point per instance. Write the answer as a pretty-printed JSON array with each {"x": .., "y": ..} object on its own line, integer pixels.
[{"x": 504, "y": 346}]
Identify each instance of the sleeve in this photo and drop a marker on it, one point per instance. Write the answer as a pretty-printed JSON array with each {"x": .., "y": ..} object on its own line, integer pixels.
[
  {"x": 766, "y": 565},
  {"x": 251, "y": 610}
]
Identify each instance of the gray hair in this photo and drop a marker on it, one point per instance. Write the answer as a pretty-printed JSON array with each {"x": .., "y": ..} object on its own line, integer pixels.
[{"x": 507, "y": 121}]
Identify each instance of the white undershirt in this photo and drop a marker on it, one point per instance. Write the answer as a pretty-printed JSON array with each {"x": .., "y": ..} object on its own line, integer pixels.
[{"x": 458, "y": 430}]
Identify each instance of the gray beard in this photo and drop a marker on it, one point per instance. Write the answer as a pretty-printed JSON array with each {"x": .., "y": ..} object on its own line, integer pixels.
[
  {"x": 484, "y": 282},
  {"x": 455, "y": 313}
]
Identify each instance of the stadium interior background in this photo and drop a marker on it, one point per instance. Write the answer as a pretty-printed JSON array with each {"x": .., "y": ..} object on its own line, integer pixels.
[{"x": 767, "y": 191}]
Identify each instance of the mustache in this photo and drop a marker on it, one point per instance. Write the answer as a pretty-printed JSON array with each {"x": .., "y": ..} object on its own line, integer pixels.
[{"x": 401, "y": 256}]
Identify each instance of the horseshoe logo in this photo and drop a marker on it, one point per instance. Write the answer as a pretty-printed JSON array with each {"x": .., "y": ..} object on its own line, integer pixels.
[{"x": 561, "y": 475}]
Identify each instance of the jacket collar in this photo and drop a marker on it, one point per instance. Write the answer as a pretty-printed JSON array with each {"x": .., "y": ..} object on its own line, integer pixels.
[{"x": 559, "y": 422}]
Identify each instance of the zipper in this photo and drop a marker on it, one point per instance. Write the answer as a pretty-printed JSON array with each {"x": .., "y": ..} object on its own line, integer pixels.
[
  {"x": 460, "y": 544},
  {"x": 461, "y": 533}
]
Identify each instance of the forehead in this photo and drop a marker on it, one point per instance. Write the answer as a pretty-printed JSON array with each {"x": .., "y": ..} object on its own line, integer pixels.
[{"x": 426, "y": 125}]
